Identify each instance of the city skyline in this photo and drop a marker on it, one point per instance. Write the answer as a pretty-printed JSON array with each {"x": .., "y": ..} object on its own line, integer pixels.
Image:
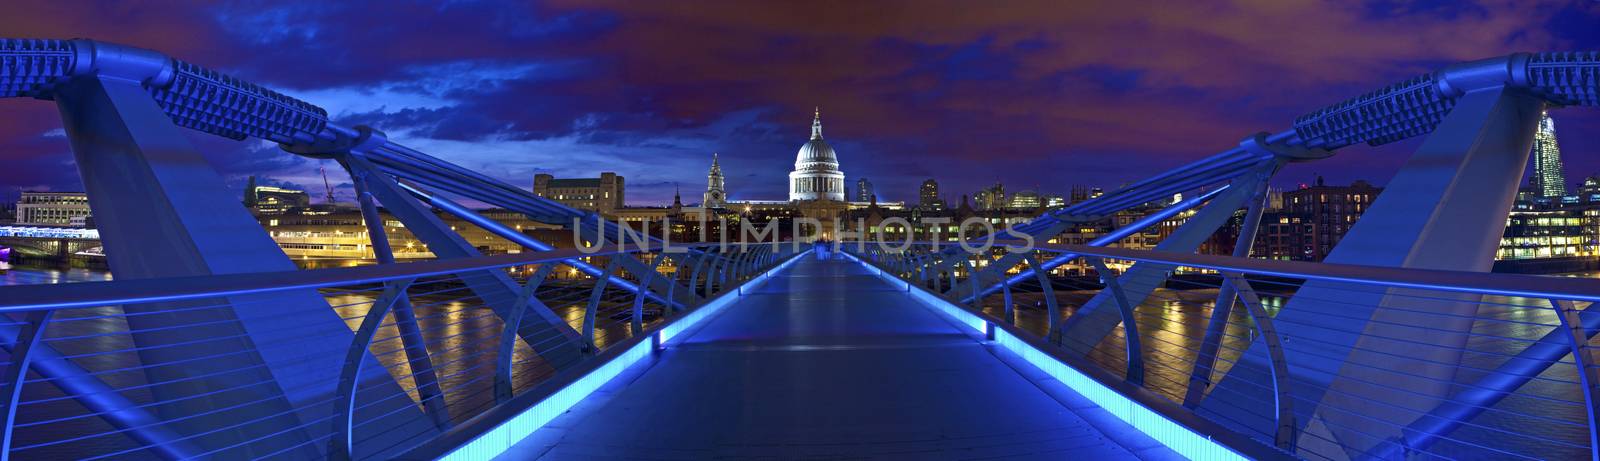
[
  {"x": 997, "y": 98},
  {"x": 1545, "y": 161},
  {"x": 1203, "y": 230}
]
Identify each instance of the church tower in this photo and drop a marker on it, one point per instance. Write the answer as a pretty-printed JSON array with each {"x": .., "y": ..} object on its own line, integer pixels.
[
  {"x": 715, "y": 196},
  {"x": 677, "y": 200}
]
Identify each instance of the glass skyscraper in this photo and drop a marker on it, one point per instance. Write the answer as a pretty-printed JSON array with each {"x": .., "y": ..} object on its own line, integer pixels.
[{"x": 1548, "y": 179}]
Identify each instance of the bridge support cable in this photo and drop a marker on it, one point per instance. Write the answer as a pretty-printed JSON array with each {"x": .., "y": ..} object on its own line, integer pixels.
[
  {"x": 434, "y": 173},
  {"x": 1576, "y": 328},
  {"x": 93, "y": 394},
  {"x": 386, "y": 157},
  {"x": 1206, "y": 358},
  {"x": 1427, "y": 218},
  {"x": 597, "y": 231},
  {"x": 497, "y": 429},
  {"x": 378, "y": 155},
  {"x": 997, "y": 270},
  {"x": 553, "y": 340},
  {"x": 405, "y": 317},
  {"x": 515, "y": 236},
  {"x": 1252, "y": 154},
  {"x": 161, "y": 216},
  {"x": 1094, "y": 319},
  {"x": 1234, "y": 289}
]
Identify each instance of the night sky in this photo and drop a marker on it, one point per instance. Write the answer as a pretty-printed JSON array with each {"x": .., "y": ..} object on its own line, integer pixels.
[{"x": 1043, "y": 95}]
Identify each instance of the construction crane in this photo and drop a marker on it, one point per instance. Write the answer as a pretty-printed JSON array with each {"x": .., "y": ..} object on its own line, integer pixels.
[{"x": 325, "y": 185}]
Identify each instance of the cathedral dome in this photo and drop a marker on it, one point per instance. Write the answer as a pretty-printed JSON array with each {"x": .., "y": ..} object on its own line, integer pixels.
[
  {"x": 815, "y": 151},
  {"x": 816, "y": 174}
]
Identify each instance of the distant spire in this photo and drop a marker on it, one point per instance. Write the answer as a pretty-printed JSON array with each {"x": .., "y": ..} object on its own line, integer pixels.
[{"x": 816, "y": 124}]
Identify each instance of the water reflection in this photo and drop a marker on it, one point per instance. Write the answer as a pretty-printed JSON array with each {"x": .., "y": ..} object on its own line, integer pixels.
[
  {"x": 1544, "y": 418},
  {"x": 45, "y": 274}
]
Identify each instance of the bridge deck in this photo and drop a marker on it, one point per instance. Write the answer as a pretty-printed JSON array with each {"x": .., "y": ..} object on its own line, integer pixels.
[{"x": 827, "y": 361}]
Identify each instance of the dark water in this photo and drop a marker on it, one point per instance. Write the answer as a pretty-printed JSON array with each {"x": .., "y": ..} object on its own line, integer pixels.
[
  {"x": 44, "y": 274},
  {"x": 47, "y": 273}
]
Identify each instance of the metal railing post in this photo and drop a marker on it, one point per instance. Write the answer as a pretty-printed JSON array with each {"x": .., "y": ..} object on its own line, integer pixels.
[
  {"x": 972, "y": 280},
  {"x": 405, "y": 317},
  {"x": 694, "y": 275},
  {"x": 677, "y": 269},
  {"x": 17, "y": 372},
  {"x": 1587, "y": 361},
  {"x": 1053, "y": 333},
  {"x": 344, "y": 412},
  {"x": 1011, "y": 311},
  {"x": 1130, "y": 323},
  {"x": 508, "y": 332},
  {"x": 714, "y": 274},
  {"x": 1286, "y": 428},
  {"x": 590, "y": 310},
  {"x": 637, "y": 320}
]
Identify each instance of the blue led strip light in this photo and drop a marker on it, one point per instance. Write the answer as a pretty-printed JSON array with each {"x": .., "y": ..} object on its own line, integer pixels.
[
  {"x": 1178, "y": 437},
  {"x": 1181, "y": 439},
  {"x": 497, "y": 440},
  {"x": 712, "y": 307}
]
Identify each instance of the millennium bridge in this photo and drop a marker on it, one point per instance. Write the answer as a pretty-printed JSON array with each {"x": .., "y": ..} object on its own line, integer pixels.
[{"x": 210, "y": 344}]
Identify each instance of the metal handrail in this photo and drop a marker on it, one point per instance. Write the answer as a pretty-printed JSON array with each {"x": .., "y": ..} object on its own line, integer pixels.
[
  {"x": 1571, "y": 336},
  {"x": 1484, "y": 283},
  {"x": 1138, "y": 394},
  {"x": 39, "y": 301},
  {"x": 20, "y": 298}
]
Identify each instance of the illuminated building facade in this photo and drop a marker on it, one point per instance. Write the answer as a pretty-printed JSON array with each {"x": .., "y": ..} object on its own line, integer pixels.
[
  {"x": 816, "y": 174},
  {"x": 1548, "y": 178},
  {"x": 603, "y": 194},
  {"x": 53, "y": 209}
]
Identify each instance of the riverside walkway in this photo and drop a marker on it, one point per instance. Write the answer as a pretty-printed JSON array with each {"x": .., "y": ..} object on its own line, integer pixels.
[{"x": 828, "y": 361}]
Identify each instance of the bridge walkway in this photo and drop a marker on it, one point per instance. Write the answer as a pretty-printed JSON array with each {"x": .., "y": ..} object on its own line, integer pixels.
[{"x": 827, "y": 361}]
